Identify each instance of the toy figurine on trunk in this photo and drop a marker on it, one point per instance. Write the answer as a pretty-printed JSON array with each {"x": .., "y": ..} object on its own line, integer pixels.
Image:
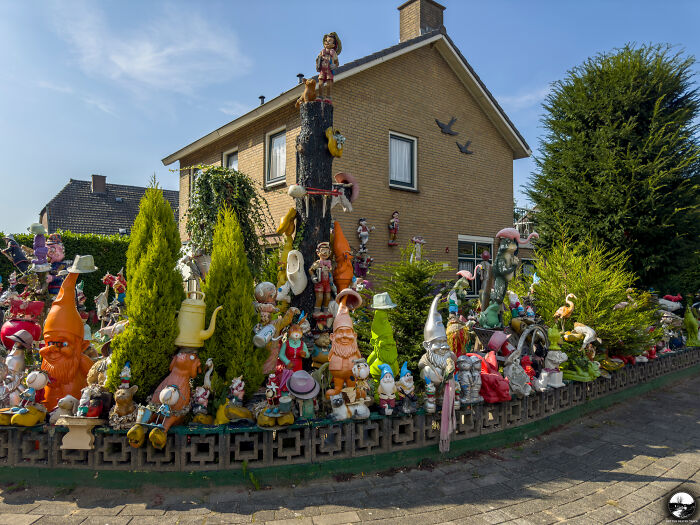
[
  {"x": 326, "y": 63},
  {"x": 393, "y": 228},
  {"x": 321, "y": 272}
]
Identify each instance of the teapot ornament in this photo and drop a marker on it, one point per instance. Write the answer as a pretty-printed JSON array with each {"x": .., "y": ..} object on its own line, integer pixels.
[{"x": 190, "y": 321}]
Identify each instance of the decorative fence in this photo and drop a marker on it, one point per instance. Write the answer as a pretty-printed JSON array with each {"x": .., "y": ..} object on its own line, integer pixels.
[{"x": 220, "y": 448}]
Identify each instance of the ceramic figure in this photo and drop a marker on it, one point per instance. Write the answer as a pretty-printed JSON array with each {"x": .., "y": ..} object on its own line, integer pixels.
[
  {"x": 475, "y": 384},
  {"x": 363, "y": 231},
  {"x": 233, "y": 410},
  {"x": 363, "y": 263},
  {"x": 270, "y": 337},
  {"x": 564, "y": 312},
  {"x": 551, "y": 376},
  {"x": 15, "y": 363},
  {"x": 384, "y": 349},
  {"x": 201, "y": 396},
  {"x": 589, "y": 335},
  {"x": 691, "y": 327},
  {"x": 469, "y": 378},
  {"x": 430, "y": 405},
  {"x": 309, "y": 94},
  {"x": 344, "y": 349},
  {"x": 39, "y": 263},
  {"x": 494, "y": 387},
  {"x": 13, "y": 251},
  {"x": 272, "y": 397},
  {"x": 125, "y": 375},
  {"x": 343, "y": 269},
  {"x": 287, "y": 227},
  {"x": 529, "y": 312},
  {"x": 393, "y": 228},
  {"x": 296, "y": 278},
  {"x": 554, "y": 336},
  {"x": 500, "y": 343},
  {"x": 67, "y": 406},
  {"x": 387, "y": 391},
  {"x": 417, "y": 254},
  {"x": 405, "y": 391},
  {"x": 122, "y": 416},
  {"x": 458, "y": 335},
  {"x": 360, "y": 372},
  {"x": 265, "y": 298},
  {"x": 326, "y": 62},
  {"x": 293, "y": 350},
  {"x": 321, "y": 272},
  {"x": 341, "y": 410},
  {"x": 304, "y": 389},
  {"x": 336, "y": 141},
  {"x": 190, "y": 321},
  {"x": 321, "y": 348},
  {"x": 518, "y": 379},
  {"x": 168, "y": 397}
]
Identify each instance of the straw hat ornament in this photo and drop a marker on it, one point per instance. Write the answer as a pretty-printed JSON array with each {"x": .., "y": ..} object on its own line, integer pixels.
[
  {"x": 382, "y": 301},
  {"x": 81, "y": 264},
  {"x": 22, "y": 337}
]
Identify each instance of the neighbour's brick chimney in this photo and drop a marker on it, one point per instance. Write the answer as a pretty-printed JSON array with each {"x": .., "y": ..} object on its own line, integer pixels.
[
  {"x": 99, "y": 183},
  {"x": 418, "y": 17}
]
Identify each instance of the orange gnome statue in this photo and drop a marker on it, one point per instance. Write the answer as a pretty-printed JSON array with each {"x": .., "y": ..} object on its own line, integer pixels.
[
  {"x": 342, "y": 275},
  {"x": 344, "y": 349},
  {"x": 62, "y": 357}
]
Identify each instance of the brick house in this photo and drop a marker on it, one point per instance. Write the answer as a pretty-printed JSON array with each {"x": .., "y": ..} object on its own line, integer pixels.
[
  {"x": 386, "y": 105},
  {"x": 93, "y": 206}
]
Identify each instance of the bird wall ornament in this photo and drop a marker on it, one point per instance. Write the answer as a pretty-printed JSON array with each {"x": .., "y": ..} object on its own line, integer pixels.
[
  {"x": 447, "y": 128},
  {"x": 465, "y": 149}
]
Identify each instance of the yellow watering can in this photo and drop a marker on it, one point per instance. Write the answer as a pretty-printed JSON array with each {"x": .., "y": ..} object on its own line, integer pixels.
[{"x": 191, "y": 321}]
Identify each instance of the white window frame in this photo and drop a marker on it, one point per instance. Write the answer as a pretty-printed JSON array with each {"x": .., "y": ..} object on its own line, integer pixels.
[
  {"x": 477, "y": 256},
  {"x": 414, "y": 140},
  {"x": 268, "y": 136},
  {"x": 226, "y": 154}
]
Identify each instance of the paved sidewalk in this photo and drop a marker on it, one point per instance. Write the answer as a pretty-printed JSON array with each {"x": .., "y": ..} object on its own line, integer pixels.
[{"x": 617, "y": 465}]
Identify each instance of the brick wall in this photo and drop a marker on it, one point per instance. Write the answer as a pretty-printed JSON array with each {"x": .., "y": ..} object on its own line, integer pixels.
[{"x": 457, "y": 193}]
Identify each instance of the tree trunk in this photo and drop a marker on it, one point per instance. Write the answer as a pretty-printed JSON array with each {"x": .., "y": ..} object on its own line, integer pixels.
[{"x": 314, "y": 170}]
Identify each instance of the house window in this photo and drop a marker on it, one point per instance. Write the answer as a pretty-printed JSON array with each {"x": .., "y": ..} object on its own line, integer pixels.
[
  {"x": 402, "y": 161},
  {"x": 276, "y": 157},
  {"x": 469, "y": 250},
  {"x": 231, "y": 159}
]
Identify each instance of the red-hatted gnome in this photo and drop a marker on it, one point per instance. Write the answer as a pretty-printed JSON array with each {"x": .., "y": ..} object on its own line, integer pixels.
[
  {"x": 62, "y": 357},
  {"x": 344, "y": 348}
]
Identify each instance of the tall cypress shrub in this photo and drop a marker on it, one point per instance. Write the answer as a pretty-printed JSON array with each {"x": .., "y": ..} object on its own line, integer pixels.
[
  {"x": 229, "y": 284},
  {"x": 153, "y": 297}
]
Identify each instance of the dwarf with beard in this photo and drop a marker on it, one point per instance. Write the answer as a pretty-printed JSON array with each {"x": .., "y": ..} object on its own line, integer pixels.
[
  {"x": 405, "y": 389},
  {"x": 344, "y": 348},
  {"x": 62, "y": 357}
]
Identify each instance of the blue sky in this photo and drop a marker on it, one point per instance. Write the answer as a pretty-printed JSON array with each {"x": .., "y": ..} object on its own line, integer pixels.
[{"x": 112, "y": 87}]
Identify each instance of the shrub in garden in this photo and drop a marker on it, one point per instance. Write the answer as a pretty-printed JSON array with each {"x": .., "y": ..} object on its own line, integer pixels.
[
  {"x": 229, "y": 283},
  {"x": 153, "y": 297},
  {"x": 217, "y": 186}
]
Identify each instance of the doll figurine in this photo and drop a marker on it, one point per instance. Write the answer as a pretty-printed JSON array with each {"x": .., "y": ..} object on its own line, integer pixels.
[
  {"x": 360, "y": 371},
  {"x": 272, "y": 396},
  {"x": 265, "y": 298},
  {"x": 321, "y": 273},
  {"x": 393, "y": 228},
  {"x": 326, "y": 62},
  {"x": 363, "y": 231},
  {"x": 168, "y": 398},
  {"x": 387, "y": 391},
  {"x": 405, "y": 389},
  {"x": 125, "y": 375},
  {"x": 293, "y": 349}
]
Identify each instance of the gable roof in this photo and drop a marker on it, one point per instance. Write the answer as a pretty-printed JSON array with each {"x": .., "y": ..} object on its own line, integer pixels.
[
  {"x": 78, "y": 209},
  {"x": 449, "y": 52}
]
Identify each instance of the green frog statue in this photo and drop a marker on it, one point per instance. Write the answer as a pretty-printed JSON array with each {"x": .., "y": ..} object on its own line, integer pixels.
[{"x": 500, "y": 274}]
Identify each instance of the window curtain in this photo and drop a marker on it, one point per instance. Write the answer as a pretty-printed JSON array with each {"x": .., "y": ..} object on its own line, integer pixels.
[
  {"x": 401, "y": 161},
  {"x": 233, "y": 161},
  {"x": 278, "y": 157}
]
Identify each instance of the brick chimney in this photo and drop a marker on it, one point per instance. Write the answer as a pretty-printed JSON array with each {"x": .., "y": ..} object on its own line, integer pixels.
[
  {"x": 417, "y": 17},
  {"x": 99, "y": 183}
]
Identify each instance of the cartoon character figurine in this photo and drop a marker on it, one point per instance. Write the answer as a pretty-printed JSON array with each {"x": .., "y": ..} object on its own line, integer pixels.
[
  {"x": 363, "y": 231},
  {"x": 14, "y": 253},
  {"x": 405, "y": 389},
  {"x": 321, "y": 273},
  {"x": 326, "y": 62},
  {"x": 387, "y": 391},
  {"x": 168, "y": 398},
  {"x": 360, "y": 371},
  {"x": 57, "y": 257},
  {"x": 36, "y": 381},
  {"x": 393, "y": 228},
  {"x": 265, "y": 298},
  {"x": 272, "y": 396},
  {"x": 202, "y": 393},
  {"x": 39, "y": 263},
  {"x": 125, "y": 375},
  {"x": 294, "y": 349}
]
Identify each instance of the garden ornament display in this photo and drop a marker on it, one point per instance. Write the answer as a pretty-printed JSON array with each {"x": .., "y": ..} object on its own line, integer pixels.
[
  {"x": 309, "y": 94},
  {"x": 518, "y": 379},
  {"x": 494, "y": 387},
  {"x": 22, "y": 315},
  {"x": 122, "y": 416},
  {"x": 363, "y": 231},
  {"x": 386, "y": 389},
  {"x": 691, "y": 327},
  {"x": 336, "y": 141},
  {"x": 469, "y": 377},
  {"x": 57, "y": 257},
  {"x": 384, "y": 349},
  {"x": 29, "y": 411},
  {"x": 39, "y": 263},
  {"x": 322, "y": 345},
  {"x": 360, "y": 371},
  {"x": 321, "y": 272},
  {"x": 201, "y": 397},
  {"x": 363, "y": 262},
  {"x": 286, "y": 228},
  {"x": 462, "y": 288},
  {"x": 342, "y": 181},
  {"x": 670, "y": 306},
  {"x": 551, "y": 376},
  {"x": 62, "y": 357},
  {"x": 304, "y": 389},
  {"x": 629, "y": 302},
  {"x": 233, "y": 410},
  {"x": 405, "y": 390},
  {"x": 458, "y": 335},
  {"x": 326, "y": 62},
  {"x": 13, "y": 251},
  {"x": 344, "y": 349},
  {"x": 343, "y": 271},
  {"x": 429, "y": 404},
  {"x": 190, "y": 321},
  {"x": 296, "y": 277},
  {"x": 417, "y": 253},
  {"x": 293, "y": 350},
  {"x": 393, "y": 228},
  {"x": 270, "y": 336},
  {"x": 67, "y": 406},
  {"x": 564, "y": 312},
  {"x": 500, "y": 343},
  {"x": 589, "y": 335}
]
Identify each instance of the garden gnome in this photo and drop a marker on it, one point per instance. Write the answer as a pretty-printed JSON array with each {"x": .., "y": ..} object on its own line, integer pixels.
[
  {"x": 125, "y": 375},
  {"x": 438, "y": 361},
  {"x": 363, "y": 231},
  {"x": 382, "y": 342},
  {"x": 343, "y": 272},
  {"x": 321, "y": 272},
  {"x": 62, "y": 357},
  {"x": 344, "y": 349},
  {"x": 304, "y": 388},
  {"x": 405, "y": 389},
  {"x": 326, "y": 62},
  {"x": 387, "y": 391},
  {"x": 293, "y": 350},
  {"x": 393, "y": 228},
  {"x": 360, "y": 371},
  {"x": 15, "y": 365}
]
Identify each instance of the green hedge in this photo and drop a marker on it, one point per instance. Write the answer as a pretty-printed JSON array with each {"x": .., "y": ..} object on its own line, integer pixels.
[{"x": 109, "y": 252}]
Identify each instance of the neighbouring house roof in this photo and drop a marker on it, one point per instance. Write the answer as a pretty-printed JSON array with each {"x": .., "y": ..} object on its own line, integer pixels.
[
  {"x": 78, "y": 209},
  {"x": 449, "y": 52}
]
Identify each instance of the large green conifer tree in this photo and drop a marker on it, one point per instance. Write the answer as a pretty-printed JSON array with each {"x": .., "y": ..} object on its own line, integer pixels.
[
  {"x": 620, "y": 160},
  {"x": 153, "y": 297}
]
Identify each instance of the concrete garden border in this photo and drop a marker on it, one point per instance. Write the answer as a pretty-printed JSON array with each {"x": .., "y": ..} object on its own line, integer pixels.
[{"x": 223, "y": 455}]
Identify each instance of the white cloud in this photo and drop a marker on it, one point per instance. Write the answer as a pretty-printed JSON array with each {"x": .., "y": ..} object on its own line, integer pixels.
[
  {"x": 102, "y": 105},
  {"x": 158, "y": 54},
  {"x": 89, "y": 100},
  {"x": 60, "y": 88},
  {"x": 524, "y": 100},
  {"x": 235, "y": 109}
]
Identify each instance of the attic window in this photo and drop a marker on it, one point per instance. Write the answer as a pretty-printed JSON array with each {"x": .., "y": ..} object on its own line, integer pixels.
[
  {"x": 122, "y": 231},
  {"x": 119, "y": 199}
]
